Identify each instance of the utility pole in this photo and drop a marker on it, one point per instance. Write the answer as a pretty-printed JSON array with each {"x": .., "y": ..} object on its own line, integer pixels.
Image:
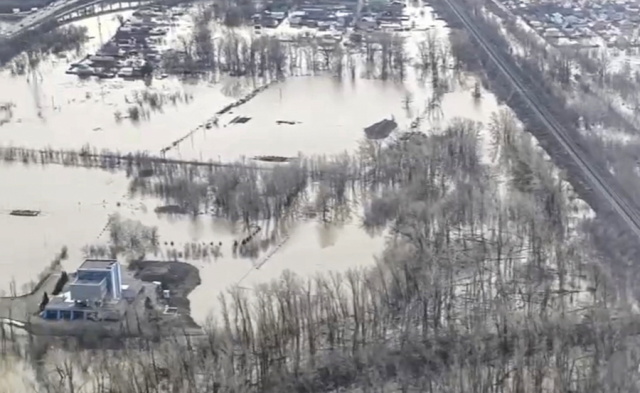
[
  {"x": 100, "y": 31},
  {"x": 359, "y": 11}
]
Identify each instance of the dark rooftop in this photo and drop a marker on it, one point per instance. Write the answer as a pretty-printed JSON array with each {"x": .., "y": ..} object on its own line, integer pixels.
[
  {"x": 80, "y": 281},
  {"x": 381, "y": 129},
  {"x": 97, "y": 264}
]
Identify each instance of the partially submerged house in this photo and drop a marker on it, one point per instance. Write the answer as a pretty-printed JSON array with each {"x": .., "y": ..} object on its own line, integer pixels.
[{"x": 96, "y": 293}]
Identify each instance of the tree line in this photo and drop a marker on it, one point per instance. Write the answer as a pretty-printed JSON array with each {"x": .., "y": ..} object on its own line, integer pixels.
[
  {"x": 34, "y": 45},
  {"x": 486, "y": 284}
]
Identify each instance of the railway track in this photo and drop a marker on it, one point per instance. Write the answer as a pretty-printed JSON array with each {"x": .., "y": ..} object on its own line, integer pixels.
[{"x": 603, "y": 186}]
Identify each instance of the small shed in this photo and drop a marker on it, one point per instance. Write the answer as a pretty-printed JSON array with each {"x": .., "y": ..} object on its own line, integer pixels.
[{"x": 381, "y": 129}]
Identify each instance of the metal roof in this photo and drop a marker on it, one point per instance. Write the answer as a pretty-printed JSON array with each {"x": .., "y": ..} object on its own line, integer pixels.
[
  {"x": 79, "y": 281},
  {"x": 97, "y": 264}
]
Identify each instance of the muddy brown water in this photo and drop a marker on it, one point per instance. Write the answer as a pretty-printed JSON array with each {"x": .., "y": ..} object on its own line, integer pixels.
[
  {"x": 59, "y": 110},
  {"x": 62, "y": 111}
]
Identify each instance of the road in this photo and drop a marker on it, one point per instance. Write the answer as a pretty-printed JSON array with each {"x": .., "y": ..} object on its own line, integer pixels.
[
  {"x": 35, "y": 19},
  {"x": 601, "y": 185}
]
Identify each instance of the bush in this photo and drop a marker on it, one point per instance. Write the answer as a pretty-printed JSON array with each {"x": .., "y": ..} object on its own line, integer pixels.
[{"x": 64, "y": 278}]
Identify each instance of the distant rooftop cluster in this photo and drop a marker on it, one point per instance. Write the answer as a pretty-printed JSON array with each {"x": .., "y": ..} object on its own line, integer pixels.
[
  {"x": 135, "y": 50},
  {"x": 335, "y": 14},
  {"x": 582, "y": 23}
]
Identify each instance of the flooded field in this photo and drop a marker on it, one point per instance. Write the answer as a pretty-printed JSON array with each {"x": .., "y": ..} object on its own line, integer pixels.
[
  {"x": 310, "y": 115},
  {"x": 304, "y": 247},
  {"x": 74, "y": 205},
  {"x": 461, "y": 230},
  {"x": 329, "y": 116},
  {"x": 52, "y": 109},
  {"x": 59, "y": 110}
]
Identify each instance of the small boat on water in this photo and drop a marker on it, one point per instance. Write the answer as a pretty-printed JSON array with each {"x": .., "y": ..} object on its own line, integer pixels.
[{"x": 381, "y": 129}]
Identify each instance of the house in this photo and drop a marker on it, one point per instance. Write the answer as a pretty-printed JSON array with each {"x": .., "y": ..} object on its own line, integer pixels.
[
  {"x": 632, "y": 9},
  {"x": 575, "y": 21},
  {"x": 553, "y": 32},
  {"x": 83, "y": 70},
  {"x": 381, "y": 129},
  {"x": 295, "y": 18},
  {"x": 536, "y": 23},
  {"x": 618, "y": 41},
  {"x": 92, "y": 294},
  {"x": 556, "y": 18},
  {"x": 627, "y": 27},
  {"x": 103, "y": 61},
  {"x": 367, "y": 22},
  {"x": 279, "y": 15}
]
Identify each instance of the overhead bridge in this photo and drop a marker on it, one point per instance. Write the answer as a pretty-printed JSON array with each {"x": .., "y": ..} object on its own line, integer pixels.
[
  {"x": 73, "y": 10},
  {"x": 97, "y": 8}
]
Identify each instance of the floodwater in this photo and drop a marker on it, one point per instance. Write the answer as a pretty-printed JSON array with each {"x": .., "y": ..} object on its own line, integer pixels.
[
  {"x": 304, "y": 247},
  {"x": 62, "y": 111},
  {"x": 74, "y": 205},
  {"x": 59, "y": 110},
  {"x": 330, "y": 117},
  {"x": 17, "y": 375},
  {"x": 56, "y": 110}
]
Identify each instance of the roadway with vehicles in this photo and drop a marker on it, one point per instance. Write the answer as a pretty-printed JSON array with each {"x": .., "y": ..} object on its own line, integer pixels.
[
  {"x": 36, "y": 18},
  {"x": 54, "y": 10},
  {"x": 603, "y": 186}
]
